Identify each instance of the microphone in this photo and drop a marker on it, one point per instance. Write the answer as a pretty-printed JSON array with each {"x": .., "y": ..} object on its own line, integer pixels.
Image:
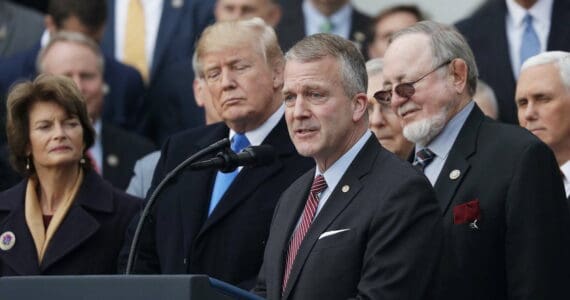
[
  {"x": 228, "y": 161},
  {"x": 221, "y": 144}
]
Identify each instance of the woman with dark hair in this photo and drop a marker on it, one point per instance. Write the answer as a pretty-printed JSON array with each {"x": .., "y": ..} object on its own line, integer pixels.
[{"x": 62, "y": 218}]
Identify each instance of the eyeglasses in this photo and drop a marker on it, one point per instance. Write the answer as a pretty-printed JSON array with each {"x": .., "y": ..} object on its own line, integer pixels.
[{"x": 404, "y": 90}]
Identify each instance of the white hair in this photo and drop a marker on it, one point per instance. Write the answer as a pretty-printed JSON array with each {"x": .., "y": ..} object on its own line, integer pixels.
[
  {"x": 374, "y": 66},
  {"x": 560, "y": 59}
]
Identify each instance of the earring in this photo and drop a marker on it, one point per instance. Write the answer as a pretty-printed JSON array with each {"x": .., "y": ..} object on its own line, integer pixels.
[
  {"x": 27, "y": 163},
  {"x": 82, "y": 161}
]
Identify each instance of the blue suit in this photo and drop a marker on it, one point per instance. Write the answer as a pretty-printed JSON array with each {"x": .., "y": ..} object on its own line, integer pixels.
[
  {"x": 123, "y": 100},
  {"x": 168, "y": 106}
]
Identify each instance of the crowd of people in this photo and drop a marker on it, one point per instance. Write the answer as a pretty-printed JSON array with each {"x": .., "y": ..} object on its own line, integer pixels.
[{"x": 414, "y": 159}]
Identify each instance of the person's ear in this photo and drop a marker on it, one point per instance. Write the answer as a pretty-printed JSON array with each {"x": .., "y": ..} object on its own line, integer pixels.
[
  {"x": 50, "y": 24},
  {"x": 274, "y": 15},
  {"x": 359, "y": 106},
  {"x": 458, "y": 71}
]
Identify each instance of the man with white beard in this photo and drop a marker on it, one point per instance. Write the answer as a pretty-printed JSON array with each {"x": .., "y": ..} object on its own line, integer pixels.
[{"x": 507, "y": 226}]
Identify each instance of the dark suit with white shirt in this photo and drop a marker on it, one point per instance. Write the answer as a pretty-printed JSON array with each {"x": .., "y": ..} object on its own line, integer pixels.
[
  {"x": 486, "y": 33},
  {"x": 518, "y": 247},
  {"x": 378, "y": 236},
  {"x": 179, "y": 237}
]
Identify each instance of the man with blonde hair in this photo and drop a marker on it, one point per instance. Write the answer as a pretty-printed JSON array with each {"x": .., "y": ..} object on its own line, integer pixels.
[{"x": 215, "y": 223}]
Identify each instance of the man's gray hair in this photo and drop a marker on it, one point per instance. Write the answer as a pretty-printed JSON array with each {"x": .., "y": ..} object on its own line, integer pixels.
[
  {"x": 375, "y": 66},
  {"x": 351, "y": 63},
  {"x": 559, "y": 59},
  {"x": 75, "y": 38},
  {"x": 446, "y": 44}
]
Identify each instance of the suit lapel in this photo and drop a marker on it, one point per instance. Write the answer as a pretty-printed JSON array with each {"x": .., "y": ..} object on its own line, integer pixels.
[
  {"x": 194, "y": 198},
  {"x": 283, "y": 234},
  {"x": 110, "y": 173},
  {"x": 108, "y": 43},
  {"x": 464, "y": 147},
  {"x": 23, "y": 257},
  {"x": 166, "y": 29},
  {"x": 249, "y": 179},
  {"x": 336, "y": 203},
  {"x": 79, "y": 225},
  {"x": 559, "y": 37}
]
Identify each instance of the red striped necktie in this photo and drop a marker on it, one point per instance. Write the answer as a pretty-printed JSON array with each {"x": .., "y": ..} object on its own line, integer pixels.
[{"x": 319, "y": 185}]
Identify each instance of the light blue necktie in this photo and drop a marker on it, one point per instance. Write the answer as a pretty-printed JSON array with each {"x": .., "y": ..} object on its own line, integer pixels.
[
  {"x": 530, "y": 44},
  {"x": 224, "y": 180}
]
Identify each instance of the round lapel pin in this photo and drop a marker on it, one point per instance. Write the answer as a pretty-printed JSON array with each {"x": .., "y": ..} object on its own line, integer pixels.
[
  {"x": 345, "y": 188},
  {"x": 454, "y": 174},
  {"x": 7, "y": 240},
  {"x": 113, "y": 160}
]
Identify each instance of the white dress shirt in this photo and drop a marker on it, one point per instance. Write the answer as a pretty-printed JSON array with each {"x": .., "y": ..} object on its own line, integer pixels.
[
  {"x": 152, "y": 14},
  {"x": 565, "y": 168},
  {"x": 540, "y": 12},
  {"x": 341, "y": 19}
]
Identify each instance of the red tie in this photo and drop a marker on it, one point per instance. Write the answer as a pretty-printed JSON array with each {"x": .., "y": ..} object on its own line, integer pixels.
[{"x": 319, "y": 184}]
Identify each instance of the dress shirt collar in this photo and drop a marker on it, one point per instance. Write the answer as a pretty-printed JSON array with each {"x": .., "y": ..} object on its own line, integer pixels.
[
  {"x": 258, "y": 135},
  {"x": 335, "y": 172},
  {"x": 540, "y": 12},
  {"x": 441, "y": 145},
  {"x": 565, "y": 169},
  {"x": 341, "y": 19}
]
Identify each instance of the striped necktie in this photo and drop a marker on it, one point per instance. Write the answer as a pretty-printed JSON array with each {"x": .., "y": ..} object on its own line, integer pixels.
[
  {"x": 423, "y": 158},
  {"x": 319, "y": 185}
]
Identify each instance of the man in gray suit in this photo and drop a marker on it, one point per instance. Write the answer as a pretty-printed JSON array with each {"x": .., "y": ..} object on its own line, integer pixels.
[
  {"x": 20, "y": 28},
  {"x": 353, "y": 226}
]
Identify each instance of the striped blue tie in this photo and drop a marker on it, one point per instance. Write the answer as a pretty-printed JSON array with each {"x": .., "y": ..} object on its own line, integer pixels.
[
  {"x": 530, "y": 44},
  {"x": 423, "y": 158},
  {"x": 224, "y": 180}
]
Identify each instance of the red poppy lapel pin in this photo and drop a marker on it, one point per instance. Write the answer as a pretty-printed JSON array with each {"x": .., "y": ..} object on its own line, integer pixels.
[{"x": 468, "y": 212}]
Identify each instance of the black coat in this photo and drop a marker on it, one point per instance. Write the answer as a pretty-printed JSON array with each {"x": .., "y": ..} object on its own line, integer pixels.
[
  {"x": 228, "y": 245},
  {"x": 520, "y": 248},
  {"x": 88, "y": 240},
  {"x": 486, "y": 33},
  {"x": 378, "y": 236}
]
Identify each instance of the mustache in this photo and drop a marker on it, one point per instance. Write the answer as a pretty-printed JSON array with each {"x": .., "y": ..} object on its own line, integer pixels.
[{"x": 408, "y": 106}]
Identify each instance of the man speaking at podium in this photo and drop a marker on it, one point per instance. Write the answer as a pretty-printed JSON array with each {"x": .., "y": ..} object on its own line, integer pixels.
[
  {"x": 208, "y": 222},
  {"x": 363, "y": 224}
]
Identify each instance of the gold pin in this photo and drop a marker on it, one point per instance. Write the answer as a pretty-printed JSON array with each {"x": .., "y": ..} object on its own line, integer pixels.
[{"x": 345, "y": 188}]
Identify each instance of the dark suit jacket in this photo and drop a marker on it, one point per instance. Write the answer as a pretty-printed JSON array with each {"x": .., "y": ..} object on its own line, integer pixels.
[
  {"x": 228, "y": 245},
  {"x": 88, "y": 240},
  {"x": 20, "y": 27},
  {"x": 8, "y": 176},
  {"x": 170, "y": 87},
  {"x": 520, "y": 250},
  {"x": 291, "y": 28},
  {"x": 486, "y": 33},
  {"x": 121, "y": 150},
  {"x": 126, "y": 87},
  {"x": 390, "y": 250}
]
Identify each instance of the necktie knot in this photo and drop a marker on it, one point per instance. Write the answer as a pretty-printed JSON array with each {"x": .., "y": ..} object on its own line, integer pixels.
[
  {"x": 423, "y": 158},
  {"x": 319, "y": 184},
  {"x": 239, "y": 142},
  {"x": 326, "y": 26}
]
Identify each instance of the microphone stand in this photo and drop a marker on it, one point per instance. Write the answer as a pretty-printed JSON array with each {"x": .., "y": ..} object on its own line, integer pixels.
[{"x": 224, "y": 143}]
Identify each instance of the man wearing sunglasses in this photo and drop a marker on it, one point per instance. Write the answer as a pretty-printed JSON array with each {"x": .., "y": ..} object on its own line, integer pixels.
[{"x": 507, "y": 226}]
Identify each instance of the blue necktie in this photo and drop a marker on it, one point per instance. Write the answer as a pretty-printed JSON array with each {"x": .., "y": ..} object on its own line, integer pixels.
[
  {"x": 530, "y": 45},
  {"x": 224, "y": 180}
]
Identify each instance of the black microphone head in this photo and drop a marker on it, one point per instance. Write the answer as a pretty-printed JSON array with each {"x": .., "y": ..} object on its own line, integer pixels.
[{"x": 259, "y": 155}]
